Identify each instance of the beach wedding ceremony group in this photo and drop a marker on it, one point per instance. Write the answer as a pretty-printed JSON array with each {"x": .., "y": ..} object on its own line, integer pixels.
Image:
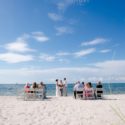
[{"x": 62, "y": 62}]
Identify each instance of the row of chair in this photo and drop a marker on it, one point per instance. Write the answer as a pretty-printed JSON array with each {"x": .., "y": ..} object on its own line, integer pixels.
[
  {"x": 90, "y": 94},
  {"x": 34, "y": 94}
]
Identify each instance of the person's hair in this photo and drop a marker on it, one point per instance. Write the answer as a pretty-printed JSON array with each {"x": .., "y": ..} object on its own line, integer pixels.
[
  {"x": 90, "y": 84},
  {"x": 99, "y": 82},
  {"x": 41, "y": 83},
  {"x": 64, "y": 78},
  {"x": 56, "y": 80},
  {"x": 35, "y": 85},
  {"x": 83, "y": 83}
]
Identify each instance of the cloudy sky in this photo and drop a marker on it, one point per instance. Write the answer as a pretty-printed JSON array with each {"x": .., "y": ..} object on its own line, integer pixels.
[{"x": 41, "y": 40}]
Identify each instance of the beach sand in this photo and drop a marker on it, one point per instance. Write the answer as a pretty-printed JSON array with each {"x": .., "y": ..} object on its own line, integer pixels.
[{"x": 63, "y": 111}]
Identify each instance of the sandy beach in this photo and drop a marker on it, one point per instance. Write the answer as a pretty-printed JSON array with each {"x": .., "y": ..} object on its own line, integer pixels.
[{"x": 63, "y": 111}]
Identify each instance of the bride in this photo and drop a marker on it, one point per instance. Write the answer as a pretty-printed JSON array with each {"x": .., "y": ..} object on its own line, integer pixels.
[{"x": 57, "y": 88}]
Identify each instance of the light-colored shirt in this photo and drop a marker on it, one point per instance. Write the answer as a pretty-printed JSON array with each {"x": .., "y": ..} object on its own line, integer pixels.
[
  {"x": 78, "y": 87},
  {"x": 65, "y": 83}
]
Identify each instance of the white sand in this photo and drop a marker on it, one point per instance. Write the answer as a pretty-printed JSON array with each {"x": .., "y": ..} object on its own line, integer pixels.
[{"x": 63, "y": 111}]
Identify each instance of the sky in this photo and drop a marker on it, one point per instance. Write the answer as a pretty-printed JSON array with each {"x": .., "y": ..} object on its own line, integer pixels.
[{"x": 42, "y": 40}]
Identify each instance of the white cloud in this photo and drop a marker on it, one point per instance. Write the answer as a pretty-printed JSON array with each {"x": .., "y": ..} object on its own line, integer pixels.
[
  {"x": 63, "y": 54},
  {"x": 78, "y": 53},
  {"x": 105, "y": 50},
  {"x": 39, "y": 36},
  {"x": 72, "y": 21},
  {"x": 47, "y": 57},
  {"x": 64, "y": 4},
  {"x": 64, "y": 30},
  {"x": 20, "y": 45},
  {"x": 116, "y": 66},
  {"x": 94, "y": 42},
  {"x": 108, "y": 71},
  {"x": 61, "y": 60},
  {"x": 15, "y": 58},
  {"x": 55, "y": 17},
  {"x": 24, "y": 37},
  {"x": 84, "y": 52}
]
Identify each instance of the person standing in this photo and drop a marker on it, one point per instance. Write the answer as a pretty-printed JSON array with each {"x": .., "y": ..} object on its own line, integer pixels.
[
  {"x": 61, "y": 87},
  {"x": 57, "y": 88},
  {"x": 65, "y": 87}
]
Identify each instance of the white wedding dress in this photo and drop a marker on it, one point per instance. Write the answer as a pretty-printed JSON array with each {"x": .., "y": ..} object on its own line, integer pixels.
[{"x": 57, "y": 91}]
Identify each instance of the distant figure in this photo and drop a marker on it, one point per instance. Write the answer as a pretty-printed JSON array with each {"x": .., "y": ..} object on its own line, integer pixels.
[
  {"x": 61, "y": 87},
  {"x": 57, "y": 88},
  {"x": 34, "y": 85},
  {"x": 44, "y": 90},
  {"x": 65, "y": 87},
  {"x": 99, "y": 90},
  {"x": 78, "y": 88},
  {"x": 99, "y": 85},
  {"x": 42, "y": 86},
  {"x": 88, "y": 91},
  {"x": 27, "y": 88}
]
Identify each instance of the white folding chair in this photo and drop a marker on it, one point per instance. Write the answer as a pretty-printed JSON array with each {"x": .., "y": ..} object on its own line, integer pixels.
[{"x": 99, "y": 93}]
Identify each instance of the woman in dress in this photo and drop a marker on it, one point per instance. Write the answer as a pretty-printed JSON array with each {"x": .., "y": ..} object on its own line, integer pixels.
[{"x": 57, "y": 88}]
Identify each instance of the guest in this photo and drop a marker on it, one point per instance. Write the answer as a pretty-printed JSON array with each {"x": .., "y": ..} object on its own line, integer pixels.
[
  {"x": 27, "y": 88},
  {"x": 34, "y": 85},
  {"x": 65, "y": 87},
  {"x": 99, "y": 90},
  {"x": 88, "y": 91},
  {"x": 41, "y": 90},
  {"x": 99, "y": 85},
  {"x": 41, "y": 85},
  {"x": 78, "y": 89},
  {"x": 44, "y": 89}
]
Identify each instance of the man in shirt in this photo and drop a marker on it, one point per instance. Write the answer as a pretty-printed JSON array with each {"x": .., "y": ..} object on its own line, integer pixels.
[
  {"x": 65, "y": 87},
  {"x": 78, "y": 88}
]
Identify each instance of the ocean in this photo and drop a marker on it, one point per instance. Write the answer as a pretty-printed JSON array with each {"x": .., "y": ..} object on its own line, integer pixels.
[{"x": 17, "y": 89}]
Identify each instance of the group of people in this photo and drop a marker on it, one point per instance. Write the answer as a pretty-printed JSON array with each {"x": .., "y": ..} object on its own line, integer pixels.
[
  {"x": 35, "y": 87},
  {"x": 61, "y": 87},
  {"x": 87, "y": 90},
  {"x": 82, "y": 89}
]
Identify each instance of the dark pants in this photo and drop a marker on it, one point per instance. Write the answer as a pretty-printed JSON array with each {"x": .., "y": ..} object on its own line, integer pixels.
[
  {"x": 78, "y": 92},
  {"x": 75, "y": 94},
  {"x": 61, "y": 91}
]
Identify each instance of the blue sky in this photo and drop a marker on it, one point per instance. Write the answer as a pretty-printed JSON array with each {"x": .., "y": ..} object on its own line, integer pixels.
[{"x": 41, "y": 40}]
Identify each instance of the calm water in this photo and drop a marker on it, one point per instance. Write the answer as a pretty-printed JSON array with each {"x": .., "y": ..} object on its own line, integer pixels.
[{"x": 16, "y": 89}]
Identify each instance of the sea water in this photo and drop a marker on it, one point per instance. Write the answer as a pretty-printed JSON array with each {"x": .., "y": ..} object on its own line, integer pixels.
[{"x": 16, "y": 89}]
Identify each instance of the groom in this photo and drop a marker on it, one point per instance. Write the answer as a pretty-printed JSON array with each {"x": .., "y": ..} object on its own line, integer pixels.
[{"x": 65, "y": 87}]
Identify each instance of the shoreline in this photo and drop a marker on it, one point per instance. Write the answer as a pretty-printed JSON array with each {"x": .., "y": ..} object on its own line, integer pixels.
[{"x": 63, "y": 111}]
